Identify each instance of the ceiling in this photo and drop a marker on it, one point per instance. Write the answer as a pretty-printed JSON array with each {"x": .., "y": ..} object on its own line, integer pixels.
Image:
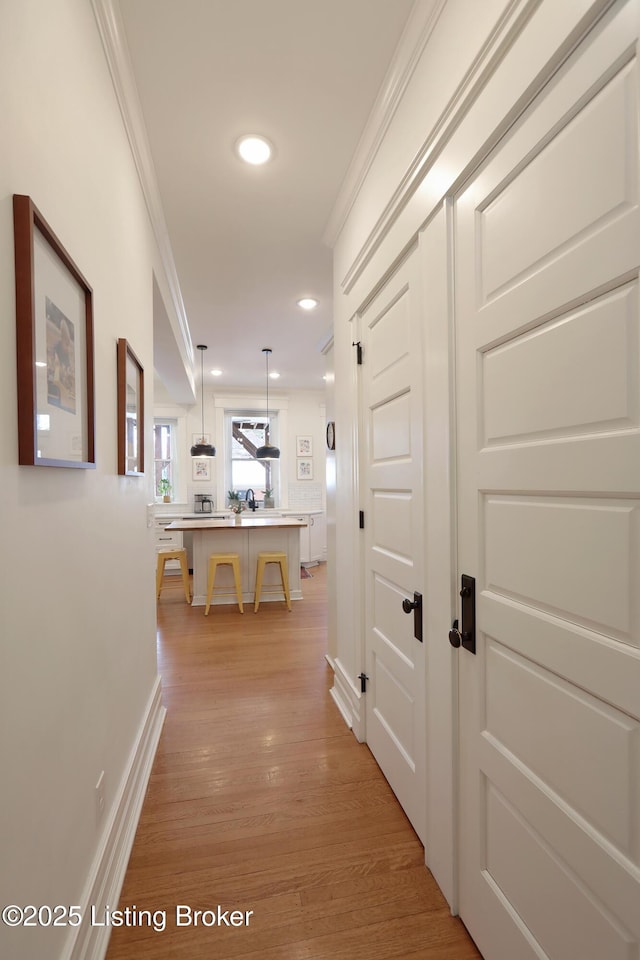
[{"x": 248, "y": 241}]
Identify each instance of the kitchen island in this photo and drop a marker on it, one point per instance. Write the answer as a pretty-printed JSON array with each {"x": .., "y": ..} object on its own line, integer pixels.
[{"x": 247, "y": 538}]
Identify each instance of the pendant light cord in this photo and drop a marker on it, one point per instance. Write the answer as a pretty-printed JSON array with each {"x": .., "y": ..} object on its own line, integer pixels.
[
  {"x": 267, "y": 351},
  {"x": 267, "y": 390},
  {"x": 202, "y": 388}
]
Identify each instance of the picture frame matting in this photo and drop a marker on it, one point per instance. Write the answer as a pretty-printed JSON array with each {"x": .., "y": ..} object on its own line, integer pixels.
[
  {"x": 201, "y": 468},
  {"x": 304, "y": 446},
  {"x": 55, "y": 350},
  {"x": 304, "y": 468},
  {"x": 130, "y": 411}
]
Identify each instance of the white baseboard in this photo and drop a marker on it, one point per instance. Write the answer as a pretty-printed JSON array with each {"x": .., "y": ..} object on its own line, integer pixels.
[
  {"x": 109, "y": 867},
  {"x": 336, "y": 695},
  {"x": 348, "y": 699}
]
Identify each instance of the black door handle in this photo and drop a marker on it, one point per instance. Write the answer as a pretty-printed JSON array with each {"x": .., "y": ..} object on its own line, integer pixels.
[
  {"x": 416, "y": 606},
  {"x": 468, "y": 594},
  {"x": 466, "y": 637}
]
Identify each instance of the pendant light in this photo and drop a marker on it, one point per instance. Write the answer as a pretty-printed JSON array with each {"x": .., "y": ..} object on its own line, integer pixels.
[
  {"x": 268, "y": 452},
  {"x": 202, "y": 449}
]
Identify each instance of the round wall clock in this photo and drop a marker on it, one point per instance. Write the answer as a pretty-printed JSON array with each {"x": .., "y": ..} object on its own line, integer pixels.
[{"x": 331, "y": 435}]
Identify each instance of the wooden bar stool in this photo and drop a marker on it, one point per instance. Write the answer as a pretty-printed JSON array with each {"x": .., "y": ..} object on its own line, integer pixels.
[
  {"x": 181, "y": 555},
  {"x": 216, "y": 560},
  {"x": 272, "y": 557}
]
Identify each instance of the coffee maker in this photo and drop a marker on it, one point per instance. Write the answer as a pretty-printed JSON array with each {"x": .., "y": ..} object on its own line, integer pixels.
[{"x": 202, "y": 503}]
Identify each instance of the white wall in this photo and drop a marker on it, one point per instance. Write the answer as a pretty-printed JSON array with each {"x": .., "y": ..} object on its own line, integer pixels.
[
  {"x": 307, "y": 418},
  {"x": 77, "y": 610},
  {"x": 331, "y": 495}
]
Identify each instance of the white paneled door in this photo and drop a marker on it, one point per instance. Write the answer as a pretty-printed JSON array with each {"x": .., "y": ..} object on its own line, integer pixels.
[
  {"x": 547, "y": 251},
  {"x": 392, "y": 484}
]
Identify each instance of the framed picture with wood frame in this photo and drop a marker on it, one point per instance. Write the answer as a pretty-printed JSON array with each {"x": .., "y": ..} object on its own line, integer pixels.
[
  {"x": 130, "y": 412},
  {"x": 54, "y": 332}
]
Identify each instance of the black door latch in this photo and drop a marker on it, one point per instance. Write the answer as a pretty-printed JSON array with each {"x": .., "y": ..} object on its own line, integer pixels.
[
  {"x": 416, "y": 606},
  {"x": 467, "y": 636}
]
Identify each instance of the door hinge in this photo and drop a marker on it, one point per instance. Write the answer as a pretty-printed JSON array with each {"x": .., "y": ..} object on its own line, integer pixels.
[
  {"x": 361, "y": 520},
  {"x": 358, "y": 345},
  {"x": 362, "y": 677}
]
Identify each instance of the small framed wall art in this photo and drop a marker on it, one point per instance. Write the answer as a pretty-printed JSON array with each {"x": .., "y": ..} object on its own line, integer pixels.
[
  {"x": 54, "y": 327},
  {"x": 201, "y": 467},
  {"x": 130, "y": 412},
  {"x": 305, "y": 468},
  {"x": 304, "y": 446}
]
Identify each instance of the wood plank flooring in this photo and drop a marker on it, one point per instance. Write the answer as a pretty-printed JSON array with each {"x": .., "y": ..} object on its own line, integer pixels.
[{"x": 262, "y": 800}]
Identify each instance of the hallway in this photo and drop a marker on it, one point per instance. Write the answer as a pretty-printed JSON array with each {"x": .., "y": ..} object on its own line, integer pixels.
[{"x": 262, "y": 800}]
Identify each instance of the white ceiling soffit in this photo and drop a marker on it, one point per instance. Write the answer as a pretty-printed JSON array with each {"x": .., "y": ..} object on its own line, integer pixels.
[
  {"x": 171, "y": 323},
  {"x": 167, "y": 360}
]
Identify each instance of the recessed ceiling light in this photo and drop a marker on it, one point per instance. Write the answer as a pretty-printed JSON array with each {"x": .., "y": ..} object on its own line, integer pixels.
[
  {"x": 216, "y": 373},
  {"x": 254, "y": 149},
  {"x": 308, "y": 303},
  {"x": 40, "y": 363},
  {"x": 274, "y": 374}
]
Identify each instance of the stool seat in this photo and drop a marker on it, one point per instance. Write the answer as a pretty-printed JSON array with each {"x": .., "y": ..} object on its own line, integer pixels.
[
  {"x": 179, "y": 554},
  {"x": 272, "y": 556},
  {"x": 216, "y": 560}
]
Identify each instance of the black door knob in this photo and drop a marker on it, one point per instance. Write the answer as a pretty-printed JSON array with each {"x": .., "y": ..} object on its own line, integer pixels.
[
  {"x": 455, "y": 638},
  {"x": 409, "y": 605}
]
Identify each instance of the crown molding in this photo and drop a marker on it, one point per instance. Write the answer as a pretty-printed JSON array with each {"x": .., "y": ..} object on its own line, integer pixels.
[
  {"x": 326, "y": 343},
  {"x": 111, "y": 29},
  {"x": 415, "y": 36},
  {"x": 508, "y": 27}
]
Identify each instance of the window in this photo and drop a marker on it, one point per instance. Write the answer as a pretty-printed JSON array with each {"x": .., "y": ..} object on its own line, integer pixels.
[
  {"x": 248, "y": 432},
  {"x": 164, "y": 455}
]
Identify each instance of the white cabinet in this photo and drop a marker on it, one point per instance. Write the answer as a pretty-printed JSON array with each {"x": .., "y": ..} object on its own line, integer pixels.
[
  {"x": 174, "y": 539},
  {"x": 313, "y": 539},
  {"x": 317, "y": 537},
  {"x": 167, "y": 539},
  {"x": 304, "y": 538}
]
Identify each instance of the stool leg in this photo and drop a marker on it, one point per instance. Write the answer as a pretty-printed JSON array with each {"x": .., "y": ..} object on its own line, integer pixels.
[
  {"x": 159, "y": 576},
  {"x": 185, "y": 579},
  {"x": 284, "y": 576},
  {"x": 259, "y": 573},
  {"x": 235, "y": 566},
  {"x": 210, "y": 579}
]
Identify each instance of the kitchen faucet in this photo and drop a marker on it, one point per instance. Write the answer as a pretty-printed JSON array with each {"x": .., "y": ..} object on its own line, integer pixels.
[{"x": 251, "y": 500}]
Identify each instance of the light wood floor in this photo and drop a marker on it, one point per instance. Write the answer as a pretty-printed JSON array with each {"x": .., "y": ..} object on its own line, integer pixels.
[{"x": 262, "y": 800}]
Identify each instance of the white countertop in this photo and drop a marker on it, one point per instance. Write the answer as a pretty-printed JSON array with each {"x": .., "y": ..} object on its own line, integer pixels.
[
  {"x": 174, "y": 513},
  {"x": 190, "y": 515},
  {"x": 249, "y": 522}
]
